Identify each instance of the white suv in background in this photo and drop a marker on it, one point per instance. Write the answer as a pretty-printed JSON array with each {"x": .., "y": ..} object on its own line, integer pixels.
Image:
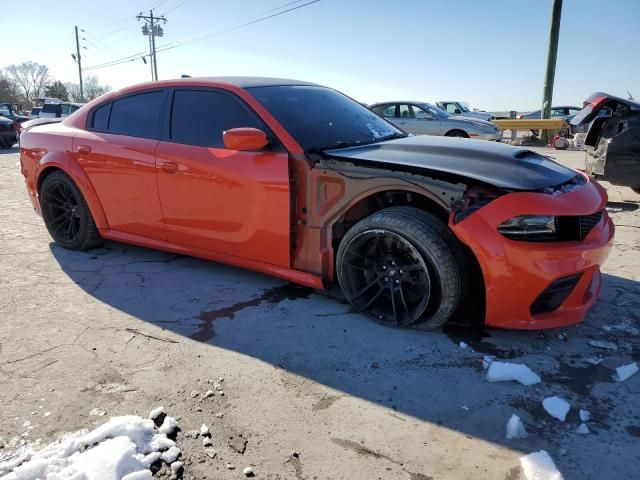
[{"x": 59, "y": 110}]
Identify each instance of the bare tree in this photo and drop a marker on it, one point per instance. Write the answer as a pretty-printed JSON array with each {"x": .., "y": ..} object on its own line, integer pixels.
[
  {"x": 30, "y": 78},
  {"x": 8, "y": 89},
  {"x": 73, "y": 89},
  {"x": 93, "y": 89}
]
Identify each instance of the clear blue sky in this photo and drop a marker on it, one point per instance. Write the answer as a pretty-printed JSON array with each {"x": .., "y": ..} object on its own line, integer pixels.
[{"x": 491, "y": 53}]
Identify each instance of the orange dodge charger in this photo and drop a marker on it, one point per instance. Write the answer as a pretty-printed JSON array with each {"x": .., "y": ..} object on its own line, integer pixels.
[{"x": 300, "y": 181}]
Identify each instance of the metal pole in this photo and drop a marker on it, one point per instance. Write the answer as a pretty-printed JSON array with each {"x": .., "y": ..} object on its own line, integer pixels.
[
  {"x": 151, "y": 57},
  {"x": 547, "y": 93},
  {"x": 153, "y": 43},
  {"x": 79, "y": 66}
]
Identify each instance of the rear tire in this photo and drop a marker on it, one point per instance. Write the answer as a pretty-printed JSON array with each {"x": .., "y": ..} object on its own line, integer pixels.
[
  {"x": 402, "y": 266},
  {"x": 457, "y": 134},
  {"x": 66, "y": 213}
]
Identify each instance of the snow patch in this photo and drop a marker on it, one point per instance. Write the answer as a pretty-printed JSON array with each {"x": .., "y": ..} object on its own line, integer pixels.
[
  {"x": 625, "y": 371},
  {"x": 603, "y": 344},
  {"x": 156, "y": 412},
  {"x": 515, "y": 428},
  {"x": 118, "y": 449},
  {"x": 504, "y": 372},
  {"x": 585, "y": 415},
  {"x": 556, "y": 407},
  {"x": 540, "y": 466},
  {"x": 168, "y": 426}
]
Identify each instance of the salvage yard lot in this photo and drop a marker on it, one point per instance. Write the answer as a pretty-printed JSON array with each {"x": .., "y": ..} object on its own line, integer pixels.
[{"x": 125, "y": 329}]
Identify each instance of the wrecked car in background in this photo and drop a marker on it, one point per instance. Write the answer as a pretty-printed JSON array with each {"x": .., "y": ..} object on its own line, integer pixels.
[
  {"x": 613, "y": 141},
  {"x": 299, "y": 181}
]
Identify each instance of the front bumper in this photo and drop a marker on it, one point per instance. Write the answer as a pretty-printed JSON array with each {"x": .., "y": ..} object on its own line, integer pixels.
[
  {"x": 516, "y": 273},
  {"x": 492, "y": 137}
]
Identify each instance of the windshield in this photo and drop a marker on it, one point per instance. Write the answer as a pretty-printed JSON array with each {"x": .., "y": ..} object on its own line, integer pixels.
[
  {"x": 435, "y": 111},
  {"x": 320, "y": 118},
  {"x": 464, "y": 107}
]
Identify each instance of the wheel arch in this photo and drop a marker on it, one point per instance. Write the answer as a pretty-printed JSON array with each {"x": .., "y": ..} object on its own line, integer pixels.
[
  {"x": 456, "y": 130},
  {"x": 69, "y": 166}
]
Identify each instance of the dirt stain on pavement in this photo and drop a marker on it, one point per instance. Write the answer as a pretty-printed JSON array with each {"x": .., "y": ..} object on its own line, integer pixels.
[
  {"x": 581, "y": 379},
  {"x": 271, "y": 296},
  {"x": 325, "y": 402},
  {"x": 365, "y": 451},
  {"x": 474, "y": 337}
]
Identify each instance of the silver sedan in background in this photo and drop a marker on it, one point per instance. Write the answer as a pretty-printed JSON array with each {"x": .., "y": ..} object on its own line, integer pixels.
[{"x": 422, "y": 118}]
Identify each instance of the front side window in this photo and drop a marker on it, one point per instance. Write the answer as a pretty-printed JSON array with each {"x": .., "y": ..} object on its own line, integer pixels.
[
  {"x": 320, "y": 118},
  {"x": 388, "y": 111},
  {"x": 419, "y": 113},
  {"x": 200, "y": 117},
  {"x": 137, "y": 115}
]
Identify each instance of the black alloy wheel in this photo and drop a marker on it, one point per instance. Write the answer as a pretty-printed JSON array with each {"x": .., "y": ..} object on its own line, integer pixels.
[
  {"x": 402, "y": 266},
  {"x": 66, "y": 213}
]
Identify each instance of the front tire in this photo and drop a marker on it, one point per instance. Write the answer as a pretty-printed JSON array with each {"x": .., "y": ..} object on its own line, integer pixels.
[
  {"x": 402, "y": 266},
  {"x": 66, "y": 213}
]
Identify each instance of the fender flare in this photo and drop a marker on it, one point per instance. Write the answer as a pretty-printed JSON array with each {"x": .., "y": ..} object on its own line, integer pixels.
[{"x": 65, "y": 162}]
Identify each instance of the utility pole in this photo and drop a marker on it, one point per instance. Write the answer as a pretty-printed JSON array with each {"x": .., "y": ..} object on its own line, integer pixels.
[
  {"x": 547, "y": 93},
  {"x": 79, "y": 65},
  {"x": 153, "y": 30}
]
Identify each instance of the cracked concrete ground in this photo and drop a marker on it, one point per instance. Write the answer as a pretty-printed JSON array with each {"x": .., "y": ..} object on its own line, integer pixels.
[{"x": 127, "y": 329}]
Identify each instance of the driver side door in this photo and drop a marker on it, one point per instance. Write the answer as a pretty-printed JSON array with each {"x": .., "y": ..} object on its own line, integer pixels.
[{"x": 213, "y": 198}]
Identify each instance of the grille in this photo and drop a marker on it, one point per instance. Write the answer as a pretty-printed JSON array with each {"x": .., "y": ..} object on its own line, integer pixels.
[
  {"x": 587, "y": 222},
  {"x": 577, "y": 228}
]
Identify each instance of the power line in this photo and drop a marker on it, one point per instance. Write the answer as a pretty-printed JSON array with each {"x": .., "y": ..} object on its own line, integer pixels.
[
  {"x": 176, "y": 7},
  {"x": 213, "y": 33},
  {"x": 200, "y": 36}
]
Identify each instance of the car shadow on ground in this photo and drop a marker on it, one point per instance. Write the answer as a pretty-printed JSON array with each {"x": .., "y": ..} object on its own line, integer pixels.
[
  {"x": 427, "y": 375},
  {"x": 7, "y": 151}
]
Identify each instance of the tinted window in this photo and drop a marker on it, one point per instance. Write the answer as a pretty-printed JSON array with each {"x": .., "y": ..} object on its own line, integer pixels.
[
  {"x": 321, "y": 118},
  {"x": 51, "y": 108},
  {"x": 406, "y": 111},
  {"x": 385, "y": 110},
  {"x": 137, "y": 116},
  {"x": 101, "y": 117},
  {"x": 200, "y": 117}
]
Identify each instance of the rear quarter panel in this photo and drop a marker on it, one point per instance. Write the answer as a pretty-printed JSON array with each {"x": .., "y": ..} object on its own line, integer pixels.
[{"x": 51, "y": 146}]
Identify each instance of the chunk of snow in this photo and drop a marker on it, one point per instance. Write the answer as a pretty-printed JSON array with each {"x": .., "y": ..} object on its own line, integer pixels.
[
  {"x": 204, "y": 430},
  {"x": 152, "y": 458},
  {"x": 464, "y": 407},
  {"x": 114, "y": 450},
  {"x": 625, "y": 371},
  {"x": 556, "y": 407},
  {"x": 156, "y": 412},
  {"x": 504, "y": 372},
  {"x": 603, "y": 344},
  {"x": 46, "y": 414},
  {"x": 582, "y": 429},
  {"x": 171, "y": 455},
  {"x": 97, "y": 412},
  {"x": 593, "y": 360},
  {"x": 161, "y": 442},
  {"x": 540, "y": 466},
  {"x": 209, "y": 393},
  {"x": 585, "y": 416},
  {"x": 248, "y": 472},
  {"x": 206, "y": 441},
  {"x": 175, "y": 467},
  {"x": 463, "y": 345},
  {"x": 168, "y": 426},
  {"x": 515, "y": 428},
  {"x": 141, "y": 475},
  {"x": 486, "y": 361}
]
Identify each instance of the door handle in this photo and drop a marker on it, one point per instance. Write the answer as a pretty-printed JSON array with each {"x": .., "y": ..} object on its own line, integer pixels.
[
  {"x": 169, "y": 167},
  {"x": 84, "y": 149}
]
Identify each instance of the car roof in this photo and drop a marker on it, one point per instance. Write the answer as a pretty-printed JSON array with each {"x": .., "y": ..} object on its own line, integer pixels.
[{"x": 403, "y": 102}]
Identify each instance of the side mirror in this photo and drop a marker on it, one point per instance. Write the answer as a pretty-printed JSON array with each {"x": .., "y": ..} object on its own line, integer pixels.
[
  {"x": 244, "y": 138},
  {"x": 457, "y": 111}
]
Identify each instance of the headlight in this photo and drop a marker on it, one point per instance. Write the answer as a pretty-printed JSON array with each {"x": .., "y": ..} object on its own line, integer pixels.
[{"x": 530, "y": 227}]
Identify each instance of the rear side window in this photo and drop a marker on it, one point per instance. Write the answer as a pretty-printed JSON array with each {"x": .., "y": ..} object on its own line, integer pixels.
[
  {"x": 100, "y": 118},
  {"x": 137, "y": 115},
  {"x": 199, "y": 117},
  {"x": 52, "y": 108}
]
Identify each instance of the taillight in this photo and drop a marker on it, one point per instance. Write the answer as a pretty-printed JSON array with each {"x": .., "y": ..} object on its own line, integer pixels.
[{"x": 519, "y": 117}]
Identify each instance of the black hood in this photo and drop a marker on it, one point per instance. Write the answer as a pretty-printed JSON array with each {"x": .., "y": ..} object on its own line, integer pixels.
[{"x": 496, "y": 164}]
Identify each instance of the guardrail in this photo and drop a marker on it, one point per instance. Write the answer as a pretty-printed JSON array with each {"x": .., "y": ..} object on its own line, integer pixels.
[{"x": 531, "y": 124}]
